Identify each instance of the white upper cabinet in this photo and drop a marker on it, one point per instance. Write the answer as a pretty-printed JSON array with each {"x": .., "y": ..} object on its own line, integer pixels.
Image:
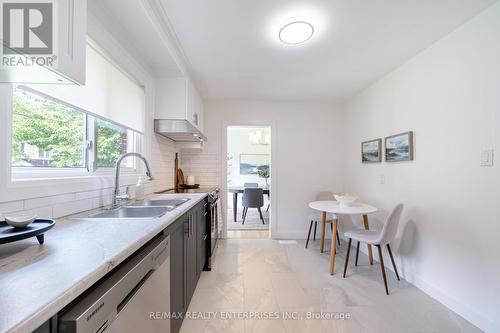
[
  {"x": 66, "y": 63},
  {"x": 177, "y": 98},
  {"x": 72, "y": 39}
]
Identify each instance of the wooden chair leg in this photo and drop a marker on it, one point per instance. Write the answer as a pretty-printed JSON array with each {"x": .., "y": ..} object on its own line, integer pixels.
[
  {"x": 315, "y": 225},
  {"x": 382, "y": 267},
  {"x": 357, "y": 255},
  {"x": 393, "y": 262},
  {"x": 261, "y": 217},
  {"x": 338, "y": 238},
  {"x": 347, "y": 256},
  {"x": 309, "y": 233}
]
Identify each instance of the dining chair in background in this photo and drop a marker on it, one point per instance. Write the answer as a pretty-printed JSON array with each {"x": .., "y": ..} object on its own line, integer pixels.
[
  {"x": 248, "y": 185},
  {"x": 253, "y": 198},
  {"x": 316, "y": 217},
  {"x": 378, "y": 239}
]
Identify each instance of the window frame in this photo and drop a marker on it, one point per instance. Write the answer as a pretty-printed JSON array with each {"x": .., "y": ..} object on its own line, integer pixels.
[{"x": 89, "y": 143}]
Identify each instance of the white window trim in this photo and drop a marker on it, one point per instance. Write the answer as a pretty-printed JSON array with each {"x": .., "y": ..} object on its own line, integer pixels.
[
  {"x": 41, "y": 173},
  {"x": 28, "y": 183}
]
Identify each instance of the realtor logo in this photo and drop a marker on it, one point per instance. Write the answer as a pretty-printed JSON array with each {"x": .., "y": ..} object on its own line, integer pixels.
[
  {"x": 28, "y": 35},
  {"x": 27, "y": 28}
]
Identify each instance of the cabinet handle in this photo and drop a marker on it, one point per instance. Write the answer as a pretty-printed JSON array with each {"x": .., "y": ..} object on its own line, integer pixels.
[
  {"x": 191, "y": 225},
  {"x": 189, "y": 219}
]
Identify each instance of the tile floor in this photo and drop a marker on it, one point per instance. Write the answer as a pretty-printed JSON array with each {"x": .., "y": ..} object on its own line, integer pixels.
[
  {"x": 259, "y": 276},
  {"x": 248, "y": 234}
]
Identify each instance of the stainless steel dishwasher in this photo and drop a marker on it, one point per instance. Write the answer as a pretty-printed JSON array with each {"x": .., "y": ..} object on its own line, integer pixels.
[{"x": 134, "y": 298}]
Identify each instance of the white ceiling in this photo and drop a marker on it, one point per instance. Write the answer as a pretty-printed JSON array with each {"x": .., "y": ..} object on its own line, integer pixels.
[{"x": 232, "y": 51}]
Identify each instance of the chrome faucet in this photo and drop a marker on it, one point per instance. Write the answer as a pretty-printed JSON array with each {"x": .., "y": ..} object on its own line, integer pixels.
[{"x": 117, "y": 198}]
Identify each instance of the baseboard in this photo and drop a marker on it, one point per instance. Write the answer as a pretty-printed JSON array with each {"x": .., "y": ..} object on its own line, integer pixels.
[
  {"x": 293, "y": 235},
  {"x": 466, "y": 312}
]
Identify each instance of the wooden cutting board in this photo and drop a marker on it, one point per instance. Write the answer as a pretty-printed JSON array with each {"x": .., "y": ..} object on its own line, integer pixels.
[{"x": 180, "y": 177}]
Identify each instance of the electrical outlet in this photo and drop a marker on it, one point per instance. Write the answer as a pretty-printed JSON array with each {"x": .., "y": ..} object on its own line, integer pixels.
[
  {"x": 487, "y": 157},
  {"x": 382, "y": 179}
]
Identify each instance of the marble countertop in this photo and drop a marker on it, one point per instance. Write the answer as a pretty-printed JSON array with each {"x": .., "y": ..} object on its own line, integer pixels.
[{"x": 37, "y": 281}]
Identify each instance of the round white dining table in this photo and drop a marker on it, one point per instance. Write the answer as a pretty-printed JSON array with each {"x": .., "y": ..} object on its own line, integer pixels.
[{"x": 334, "y": 207}]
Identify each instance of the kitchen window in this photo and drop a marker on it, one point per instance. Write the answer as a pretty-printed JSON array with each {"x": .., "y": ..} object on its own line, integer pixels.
[
  {"x": 46, "y": 134},
  {"x": 56, "y": 138}
]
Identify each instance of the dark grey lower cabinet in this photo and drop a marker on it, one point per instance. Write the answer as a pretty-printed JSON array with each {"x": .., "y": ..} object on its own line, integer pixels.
[
  {"x": 191, "y": 244},
  {"x": 178, "y": 302},
  {"x": 186, "y": 260}
]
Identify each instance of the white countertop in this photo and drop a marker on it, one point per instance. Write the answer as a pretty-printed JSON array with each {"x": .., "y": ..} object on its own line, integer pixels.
[{"x": 36, "y": 281}]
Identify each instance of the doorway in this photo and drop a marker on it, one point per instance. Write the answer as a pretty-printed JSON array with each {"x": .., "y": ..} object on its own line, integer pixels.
[{"x": 248, "y": 212}]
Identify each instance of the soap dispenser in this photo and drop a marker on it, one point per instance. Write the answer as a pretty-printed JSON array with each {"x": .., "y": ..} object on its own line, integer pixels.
[{"x": 139, "y": 189}]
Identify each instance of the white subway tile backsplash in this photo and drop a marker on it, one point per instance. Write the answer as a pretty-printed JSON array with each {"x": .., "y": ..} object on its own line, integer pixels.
[
  {"x": 107, "y": 192},
  {"x": 201, "y": 165},
  {"x": 11, "y": 206},
  {"x": 41, "y": 212},
  {"x": 92, "y": 194},
  {"x": 102, "y": 201},
  {"x": 86, "y": 195},
  {"x": 162, "y": 163},
  {"x": 69, "y": 208},
  {"x": 46, "y": 201}
]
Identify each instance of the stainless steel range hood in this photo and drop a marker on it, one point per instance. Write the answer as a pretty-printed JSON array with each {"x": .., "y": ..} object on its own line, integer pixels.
[{"x": 178, "y": 130}]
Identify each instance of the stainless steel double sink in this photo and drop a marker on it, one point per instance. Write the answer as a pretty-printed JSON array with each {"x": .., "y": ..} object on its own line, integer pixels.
[{"x": 153, "y": 208}]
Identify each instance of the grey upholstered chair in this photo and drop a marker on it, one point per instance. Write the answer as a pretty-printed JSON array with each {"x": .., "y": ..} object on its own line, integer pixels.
[
  {"x": 379, "y": 239},
  {"x": 248, "y": 185},
  {"x": 253, "y": 198}
]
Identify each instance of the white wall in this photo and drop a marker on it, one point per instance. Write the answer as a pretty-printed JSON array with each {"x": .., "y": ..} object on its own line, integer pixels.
[
  {"x": 450, "y": 96},
  {"x": 306, "y": 159}
]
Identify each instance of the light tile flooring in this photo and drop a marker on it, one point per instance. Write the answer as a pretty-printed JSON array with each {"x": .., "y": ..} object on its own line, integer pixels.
[
  {"x": 248, "y": 234},
  {"x": 257, "y": 276}
]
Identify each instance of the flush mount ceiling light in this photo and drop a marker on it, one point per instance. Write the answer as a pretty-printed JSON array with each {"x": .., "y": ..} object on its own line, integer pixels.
[{"x": 296, "y": 32}]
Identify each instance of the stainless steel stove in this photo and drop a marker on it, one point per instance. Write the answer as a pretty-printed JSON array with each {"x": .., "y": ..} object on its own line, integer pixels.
[{"x": 212, "y": 225}]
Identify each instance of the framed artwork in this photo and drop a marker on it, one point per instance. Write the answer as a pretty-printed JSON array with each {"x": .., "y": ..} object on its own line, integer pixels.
[
  {"x": 399, "y": 147},
  {"x": 250, "y": 164},
  {"x": 371, "y": 151}
]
